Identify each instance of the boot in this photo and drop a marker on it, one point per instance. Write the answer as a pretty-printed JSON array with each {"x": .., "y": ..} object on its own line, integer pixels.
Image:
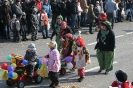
[
  {"x": 51, "y": 85},
  {"x": 80, "y": 79},
  {"x": 33, "y": 38}
]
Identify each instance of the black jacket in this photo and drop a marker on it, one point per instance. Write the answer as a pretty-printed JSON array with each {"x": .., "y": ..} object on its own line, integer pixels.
[
  {"x": 63, "y": 6},
  {"x": 74, "y": 7},
  {"x": 55, "y": 7},
  {"x": 108, "y": 44}
]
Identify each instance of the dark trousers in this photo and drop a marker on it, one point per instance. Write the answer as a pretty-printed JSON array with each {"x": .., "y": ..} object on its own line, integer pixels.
[
  {"x": 78, "y": 20},
  {"x": 24, "y": 32},
  {"x": 28, "y": 24},
  {"x": 119, "y": 15},
  {"x": 30, "y": 68},
  {"x": 34, "y": 32},
  {"x": 54, "y": 16},
  {"x": 90, "y": 27},
  {"x": 64, "y": 17},
  {"x": 6, "y": 32},
  {"x": 83, "y": 19},
  {"x": 1, "y": 29},
  {"x": 54, "y": 77},
  {"x": 45, "y": 31},
  {"x": 69, "y": 20},
  {"x": 110, "y": 17},
  {"x": 16, "y": 36}
]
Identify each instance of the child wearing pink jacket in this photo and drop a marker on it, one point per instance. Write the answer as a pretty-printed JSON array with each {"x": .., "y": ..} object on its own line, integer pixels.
[{"x": 54, "y": 64}]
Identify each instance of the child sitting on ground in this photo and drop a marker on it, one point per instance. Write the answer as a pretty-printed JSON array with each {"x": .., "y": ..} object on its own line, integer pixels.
[
  {"x": 121, "y": 80},
  {"x": 31, "y": 57}
]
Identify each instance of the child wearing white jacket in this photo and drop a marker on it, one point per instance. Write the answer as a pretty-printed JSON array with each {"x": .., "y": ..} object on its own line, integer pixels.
[{"x": 79, "y": 15}]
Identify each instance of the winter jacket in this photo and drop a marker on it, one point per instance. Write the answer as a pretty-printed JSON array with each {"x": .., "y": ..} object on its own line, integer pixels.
[
  {"x": 48, "y": 9},
  {"x": 110, "y": 6},
  {"x": 54, "y": 64},
  {"x": 55, "y": 7},
  {"x": 15, "y": 25},
  {"x": 74, "y": 7},
  {"x": 97, "y": 10},
  {"x": 68, "y": 7},
  {"x": 30, "y": 56},
  {"x": 45, "y": 19},
  {"x": 108, "y": 44},
  {"x": 63, "y": 8},
  {"x": 6, "y": 14},
  {"x": 17, "y": 10},
  {"x": 84, "y": 6}
]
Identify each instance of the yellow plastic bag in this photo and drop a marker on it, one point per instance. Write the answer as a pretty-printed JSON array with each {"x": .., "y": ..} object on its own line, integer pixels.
[
  {"x": 43, "y": 71},
  {"x": 3, "y": 74}
]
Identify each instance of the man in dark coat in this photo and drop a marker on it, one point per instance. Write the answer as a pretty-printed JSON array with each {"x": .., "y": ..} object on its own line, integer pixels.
[
  {"x": 1, "y": 24},
  {"x": 63, "y": 9},
  {"x": 16, "y": 8},
  {"x": 6, "y": 16},
  {"x": 26, "y": 7},
  {"x": 55, "y": 7}
]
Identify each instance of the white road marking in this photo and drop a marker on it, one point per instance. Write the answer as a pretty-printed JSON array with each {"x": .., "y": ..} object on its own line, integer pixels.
[
  {"x": 92, "y": 43},
  {"x": 96, "y": 42},
  {"x": 91, "y": 69},
  {"x": 129, "y": 33},
  {"x": 119, "y": 36}
]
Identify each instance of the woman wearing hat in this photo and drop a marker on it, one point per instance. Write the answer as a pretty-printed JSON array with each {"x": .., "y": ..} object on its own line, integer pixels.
[{"x": 105, "y": 47}]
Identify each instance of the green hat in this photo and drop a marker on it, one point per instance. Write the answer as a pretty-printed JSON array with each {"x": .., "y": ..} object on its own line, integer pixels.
[
  {"x": 60, "y": 17},
  {"x": 107, "y": 23}
]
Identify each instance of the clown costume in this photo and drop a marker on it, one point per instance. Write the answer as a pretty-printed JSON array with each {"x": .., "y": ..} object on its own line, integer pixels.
[{"x": 80, "y": 52}]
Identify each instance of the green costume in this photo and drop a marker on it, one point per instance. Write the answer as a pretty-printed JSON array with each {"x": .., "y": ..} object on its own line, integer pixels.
[
  {"x": 105, "y": 48},
  {"x": 56, "y": 32}
]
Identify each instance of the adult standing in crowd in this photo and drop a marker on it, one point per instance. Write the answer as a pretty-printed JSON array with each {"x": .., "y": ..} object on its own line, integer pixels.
[
  {"x": 105, "y": 47},
  {"x": 55, "y": 7},
  {"x": 17, "y": 9},
  {"x": 74, "y": 12},
  {"x": 26, "y": 7},
  {"x": 6, "y": 14},
  {"x": 110, "y": 8},
  {"x": 68, "y": 3},
  {"x": 121, "y": 6},
  {"x": 84, "y": 7},
  {"x": 64, "y": 9},
  {"x": 47, "y": 8},
  {"x": 91, "y": 17},
  {"x": 1, "y": 24}
]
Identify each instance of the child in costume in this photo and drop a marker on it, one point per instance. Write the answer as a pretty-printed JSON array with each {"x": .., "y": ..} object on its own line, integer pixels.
[
  {"x": 121, "y": 80},
  {"x": 80, "y": 52},
  {"x": 31, "y": 57},
  {"x": 56, "y": 31},
  {"x": 53, "y": 64}
]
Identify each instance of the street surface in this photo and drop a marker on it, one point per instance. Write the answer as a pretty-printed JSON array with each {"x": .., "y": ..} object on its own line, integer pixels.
[{"x": 123, "y": 58}]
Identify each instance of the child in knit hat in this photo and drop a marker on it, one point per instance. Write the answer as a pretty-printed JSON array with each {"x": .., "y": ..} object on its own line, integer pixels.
[
  {"x": 121, "y": 80},
  {"x": 31, "y": 57}
]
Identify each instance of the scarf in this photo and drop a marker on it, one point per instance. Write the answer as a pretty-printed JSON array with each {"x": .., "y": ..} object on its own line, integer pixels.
[{"x": 103, "y": 36}]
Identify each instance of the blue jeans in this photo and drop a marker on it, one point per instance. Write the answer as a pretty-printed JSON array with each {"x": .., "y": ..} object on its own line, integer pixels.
[
  {"x": 45, "y": 31},
  {"x": 83, "y": 19},
  {"x": 73, "y": 20}
]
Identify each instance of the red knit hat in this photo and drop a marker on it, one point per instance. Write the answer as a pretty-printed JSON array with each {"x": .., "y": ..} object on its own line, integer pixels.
[{"x": 103, "y": 16}]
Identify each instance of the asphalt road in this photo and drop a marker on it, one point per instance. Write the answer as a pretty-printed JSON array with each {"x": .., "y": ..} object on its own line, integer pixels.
[{"x": 123, "y": 58}]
